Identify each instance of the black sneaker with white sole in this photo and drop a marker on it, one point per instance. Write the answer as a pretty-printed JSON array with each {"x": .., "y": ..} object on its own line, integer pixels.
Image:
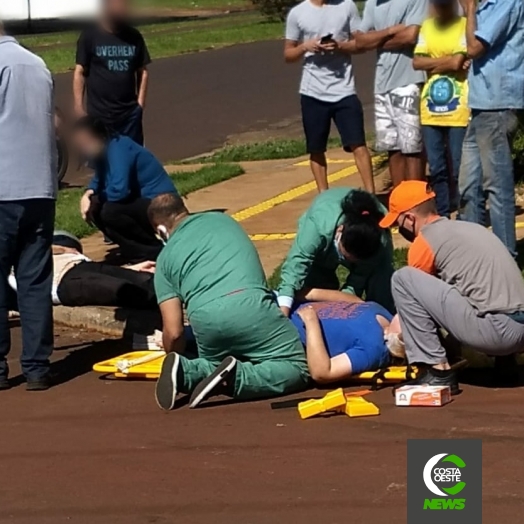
[
  {"x": 166, "y": 386},
  {"x": 214, "y": 384}
]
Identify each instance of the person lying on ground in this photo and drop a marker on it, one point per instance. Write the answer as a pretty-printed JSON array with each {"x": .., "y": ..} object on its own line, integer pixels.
[
  {"x": 341, "y": 228},
  {"x": 78, "y": 281},
  {"x": 344, "y": 339},
  {"x": 127, "y": 176},
  {"x": 460, "y": 277},
  {"x": 247, "y": 348}
]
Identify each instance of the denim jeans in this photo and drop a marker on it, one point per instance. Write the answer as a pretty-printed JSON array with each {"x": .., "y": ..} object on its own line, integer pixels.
[
  {"x": 131, "y": 126},
  {"x": 486, "y": 173},
  {"x": 444, "y": 151},
  {"x": 26, "y": 235}
]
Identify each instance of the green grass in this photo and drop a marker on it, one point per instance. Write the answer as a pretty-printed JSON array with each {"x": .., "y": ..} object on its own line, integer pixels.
[
  {"x": 165, "y": 39},
  {"x": 400, "y": 259},
  {"x": 171, "y": 44},
  {"x": 68, "y": 213},
  {"x": 268, "y": 150},
  {"x": 187, "y": 182},
  {"x": 195, "y": 4}
]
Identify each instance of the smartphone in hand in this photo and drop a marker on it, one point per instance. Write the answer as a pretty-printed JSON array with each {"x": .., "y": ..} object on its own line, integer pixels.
[{"x": 326, "y": 39}]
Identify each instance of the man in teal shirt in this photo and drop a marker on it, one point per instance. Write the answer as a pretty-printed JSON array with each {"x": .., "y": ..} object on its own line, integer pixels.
[
  {"x": 246, "y": 348},
  {"x": 340, "y": 229}
]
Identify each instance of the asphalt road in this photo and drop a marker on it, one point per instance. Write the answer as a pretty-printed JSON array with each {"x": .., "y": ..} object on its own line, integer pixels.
[
  {"x": 93, "y": 451},
  {"x": 196, "y": 101}
]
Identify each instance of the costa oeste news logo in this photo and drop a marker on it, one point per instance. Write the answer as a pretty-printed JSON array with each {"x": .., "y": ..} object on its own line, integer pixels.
[
  {"x": 444, "y": 481},
  {"x": 439, "y": 471}
]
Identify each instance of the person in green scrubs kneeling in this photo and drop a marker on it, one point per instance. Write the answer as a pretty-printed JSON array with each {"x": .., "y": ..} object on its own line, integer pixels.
[
  {"x": 341, "y": 228},
  {"x": 247, "y": 348}
]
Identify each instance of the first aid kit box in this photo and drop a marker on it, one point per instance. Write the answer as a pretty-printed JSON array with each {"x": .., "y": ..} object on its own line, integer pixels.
[{"x": 422, "y": 396}]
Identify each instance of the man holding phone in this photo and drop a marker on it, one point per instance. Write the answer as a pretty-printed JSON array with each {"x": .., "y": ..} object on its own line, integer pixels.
[{"x": 320, "y": 32}]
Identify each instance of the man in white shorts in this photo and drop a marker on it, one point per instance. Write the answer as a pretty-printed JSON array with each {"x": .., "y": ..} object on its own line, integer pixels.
[{"x": 392, "y": 28}]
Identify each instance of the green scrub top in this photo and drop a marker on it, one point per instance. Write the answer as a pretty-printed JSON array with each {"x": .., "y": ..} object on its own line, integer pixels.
[
  {"x": 207, "y": 257},
  {"x": 313, "y": 258}
]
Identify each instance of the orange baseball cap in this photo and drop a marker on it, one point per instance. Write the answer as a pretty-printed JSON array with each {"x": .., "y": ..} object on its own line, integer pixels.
[{"x": 406, "y": 196}]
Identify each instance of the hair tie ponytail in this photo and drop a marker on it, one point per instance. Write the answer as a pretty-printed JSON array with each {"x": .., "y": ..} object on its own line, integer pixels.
[{"x": 361, "y": 234}]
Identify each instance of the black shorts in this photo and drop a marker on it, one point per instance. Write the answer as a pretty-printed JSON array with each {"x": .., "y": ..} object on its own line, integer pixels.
[{"x": 347, "y": 115}]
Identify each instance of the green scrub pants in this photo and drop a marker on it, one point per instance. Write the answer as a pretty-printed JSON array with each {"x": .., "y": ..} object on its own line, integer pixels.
[{"x": 250, "y": 327}]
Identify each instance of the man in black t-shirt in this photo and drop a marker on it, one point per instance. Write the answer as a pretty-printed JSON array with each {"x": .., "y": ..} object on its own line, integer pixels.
[{"x": 111, "y": 78}]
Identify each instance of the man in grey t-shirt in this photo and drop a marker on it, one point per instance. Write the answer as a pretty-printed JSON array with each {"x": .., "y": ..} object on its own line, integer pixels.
[
  {"x": 392, "y": 27},
  {"x": 460, "y": 277},
  {"x": 28, "y": 187},
  {"x": 320, "y": 32}
]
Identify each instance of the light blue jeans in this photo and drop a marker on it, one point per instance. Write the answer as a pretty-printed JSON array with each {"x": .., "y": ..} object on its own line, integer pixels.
[{"x": 486, "y": 173}]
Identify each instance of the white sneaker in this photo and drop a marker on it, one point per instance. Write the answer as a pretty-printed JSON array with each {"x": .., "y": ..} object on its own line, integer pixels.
[
  {"x": 166, "y": 386},
  {"x": 206, "y": 387}
]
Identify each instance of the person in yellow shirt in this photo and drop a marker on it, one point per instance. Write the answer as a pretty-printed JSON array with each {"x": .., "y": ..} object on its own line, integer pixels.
[{"x": 441, "y": 52}]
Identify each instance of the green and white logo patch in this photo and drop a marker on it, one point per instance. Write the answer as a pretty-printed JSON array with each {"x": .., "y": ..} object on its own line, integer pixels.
[{"x": 444, "y": 481}]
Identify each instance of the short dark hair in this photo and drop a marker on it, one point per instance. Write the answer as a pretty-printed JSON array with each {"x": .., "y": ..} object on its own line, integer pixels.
[
  {"x": 93, "y": 125},
  {"x": 165, "y": 208},
  {"x": 361, "y": 232}
]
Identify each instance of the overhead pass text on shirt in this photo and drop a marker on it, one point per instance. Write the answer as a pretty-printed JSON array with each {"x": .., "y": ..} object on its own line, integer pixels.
[{"x": 118, "y": 56}]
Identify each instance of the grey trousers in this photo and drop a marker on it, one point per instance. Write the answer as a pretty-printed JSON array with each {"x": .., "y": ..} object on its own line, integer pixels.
[{"x": 426, "y": 303}]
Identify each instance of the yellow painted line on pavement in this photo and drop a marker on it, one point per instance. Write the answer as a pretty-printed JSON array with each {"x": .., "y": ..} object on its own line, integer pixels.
[
  {"x": 330, "y": 161},
  {"x": 291, "y": 236},
  {"x": 287, "y": 196},
  {"x": 273, "y": 236}
]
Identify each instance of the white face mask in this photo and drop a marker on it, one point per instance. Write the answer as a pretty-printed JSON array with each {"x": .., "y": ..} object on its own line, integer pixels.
[
  {"x": 395, "y": 345},
  {"x": 336, "y": 244},
  {"x": 162, "y": 234}
]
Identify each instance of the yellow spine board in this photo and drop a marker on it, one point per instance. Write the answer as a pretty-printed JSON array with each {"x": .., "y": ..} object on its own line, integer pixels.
[
  {"x": 147, "y": 370},
  {"x": 330, "y": 402},
  {"x": 359, "y": 407}
]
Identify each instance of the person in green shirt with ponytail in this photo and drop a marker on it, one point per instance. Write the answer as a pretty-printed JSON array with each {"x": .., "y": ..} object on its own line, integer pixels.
[{"x": 341, "y": 228}]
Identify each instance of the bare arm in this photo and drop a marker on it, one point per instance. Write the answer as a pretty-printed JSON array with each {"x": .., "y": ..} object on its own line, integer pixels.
[
  {"x": 173, "y": 326},
  {"x": 322, "y": 367},
  {"x": 375, "y": 39},
  {"x": 445, "y": 64},
  {"x": 349, "y": 47},
  {"x": 143, "y": 84},
  {"x": 78, "y": 90},
  {"x": 295, "y": 51},
  {"x": 476, "y": 48},
  {"x": 144, "y": 267},
  {"x": 407, "y": 37},
  {"x": 328, "y": 295}
]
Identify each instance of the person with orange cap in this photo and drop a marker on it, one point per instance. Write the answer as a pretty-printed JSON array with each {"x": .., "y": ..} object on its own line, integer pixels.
[{"x": 461, "y": 278}]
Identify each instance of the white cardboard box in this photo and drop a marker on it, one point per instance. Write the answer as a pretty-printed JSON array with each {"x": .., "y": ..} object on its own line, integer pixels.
[{"x": 435, "y": 396}]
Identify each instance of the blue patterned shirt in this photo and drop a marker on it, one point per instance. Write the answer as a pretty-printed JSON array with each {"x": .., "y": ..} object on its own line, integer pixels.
[{"x": 496, "y": 79}]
